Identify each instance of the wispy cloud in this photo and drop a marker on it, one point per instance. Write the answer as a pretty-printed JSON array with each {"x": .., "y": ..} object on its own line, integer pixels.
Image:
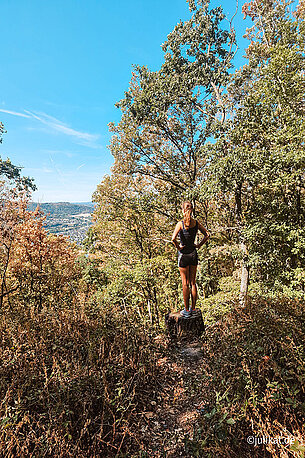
[
  {"x": 80, "y": 166},
  {"x": 59, "y": 126},
  {"x": 56, "y": 125},
  {"x": 15, "y": 113}
]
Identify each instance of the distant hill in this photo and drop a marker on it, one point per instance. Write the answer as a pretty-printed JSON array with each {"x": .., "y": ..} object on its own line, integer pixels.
[
  {"x": 66, "y": 218},
  {"x": 63, "y": 208},
  {"x": 90, "y": 204}
]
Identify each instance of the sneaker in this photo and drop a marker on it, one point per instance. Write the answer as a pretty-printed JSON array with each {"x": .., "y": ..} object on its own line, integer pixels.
[{"x": 185, "y": 313}]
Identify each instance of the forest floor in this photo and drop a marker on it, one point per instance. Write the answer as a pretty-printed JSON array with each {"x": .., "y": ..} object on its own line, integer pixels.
[
  {"x": 243, "y": 380},
  {"x": 183, "y": 401},
  {"x": 171, "y": 425}
]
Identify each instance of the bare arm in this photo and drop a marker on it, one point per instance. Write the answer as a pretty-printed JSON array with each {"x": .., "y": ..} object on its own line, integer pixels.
[
  {"x": 174, "y": 237},
  {"x": 205, "y": 233}
]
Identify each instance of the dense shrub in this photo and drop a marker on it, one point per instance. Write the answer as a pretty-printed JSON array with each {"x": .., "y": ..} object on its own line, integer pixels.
[
  {"x": 71, "y": 380},
  {"x": 254, "y": 379}
]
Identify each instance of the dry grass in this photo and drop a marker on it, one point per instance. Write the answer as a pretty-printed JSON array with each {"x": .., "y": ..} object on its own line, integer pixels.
[
  {"x": 254, "y": 376},
  {"x": 87, "y": 381},
  {"x": 69, "y": 381}
]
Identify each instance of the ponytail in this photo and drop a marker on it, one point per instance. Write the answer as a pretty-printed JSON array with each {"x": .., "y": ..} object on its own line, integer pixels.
[{"x": 187, "y": 208}]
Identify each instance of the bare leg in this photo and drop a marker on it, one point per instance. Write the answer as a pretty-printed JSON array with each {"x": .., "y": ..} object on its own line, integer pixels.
[
  {"x": 192, "y": 277},
  {"x": 184, "y": 272}
]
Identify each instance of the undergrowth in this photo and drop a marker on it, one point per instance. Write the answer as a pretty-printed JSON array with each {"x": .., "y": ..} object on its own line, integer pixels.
[
  {"x": 254, "y": 366},
  {"x": 75, "y": 380},
  {"x": 70, "y": 379}
]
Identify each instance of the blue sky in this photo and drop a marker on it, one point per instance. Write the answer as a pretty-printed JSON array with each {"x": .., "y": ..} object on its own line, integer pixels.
[{"x": 64, "y": 64}]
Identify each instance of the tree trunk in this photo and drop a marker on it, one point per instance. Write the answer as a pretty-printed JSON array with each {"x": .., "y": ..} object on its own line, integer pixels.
[
  {"x": 244, "y": 281},
  {"x": 180, "y": 327}
]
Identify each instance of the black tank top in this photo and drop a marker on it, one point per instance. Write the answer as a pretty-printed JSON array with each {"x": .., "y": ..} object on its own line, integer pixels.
[{"x": 187, "y": 238}]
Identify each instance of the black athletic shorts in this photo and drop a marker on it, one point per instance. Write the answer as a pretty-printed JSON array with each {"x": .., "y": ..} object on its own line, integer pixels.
[{"x": 189, "y": 259}]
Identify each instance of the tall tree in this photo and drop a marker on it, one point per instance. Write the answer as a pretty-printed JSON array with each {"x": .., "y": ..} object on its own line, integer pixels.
[
  {"x": 260, "y": 159},
  {"x": 168, "y": 116}
]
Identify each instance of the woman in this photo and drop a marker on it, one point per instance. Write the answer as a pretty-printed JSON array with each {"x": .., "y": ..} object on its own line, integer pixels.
[{"x": 187, "y": 254}]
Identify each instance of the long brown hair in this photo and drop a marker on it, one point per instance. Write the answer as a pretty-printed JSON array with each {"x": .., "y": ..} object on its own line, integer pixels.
[{"x": 187, "y": 207}]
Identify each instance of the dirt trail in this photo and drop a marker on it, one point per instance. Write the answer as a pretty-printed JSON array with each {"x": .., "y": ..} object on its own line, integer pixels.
[{"x": 168, "y": 426}]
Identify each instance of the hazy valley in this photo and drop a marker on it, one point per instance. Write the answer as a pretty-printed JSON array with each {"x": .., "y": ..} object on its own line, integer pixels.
[{"x": 70, "y": 219}]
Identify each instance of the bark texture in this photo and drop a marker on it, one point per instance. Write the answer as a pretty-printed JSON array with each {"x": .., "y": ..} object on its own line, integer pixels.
[{"x": 179, "y": 327}]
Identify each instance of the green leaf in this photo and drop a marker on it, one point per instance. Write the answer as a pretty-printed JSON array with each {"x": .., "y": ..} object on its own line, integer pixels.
[{"x": 231, "y": 421}]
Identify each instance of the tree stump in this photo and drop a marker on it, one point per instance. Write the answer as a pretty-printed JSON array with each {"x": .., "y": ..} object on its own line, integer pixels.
[{"x": 179, "y": 326}]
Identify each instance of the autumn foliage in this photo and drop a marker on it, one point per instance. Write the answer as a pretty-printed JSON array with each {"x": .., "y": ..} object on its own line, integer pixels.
[{"x": 38, "y": 269}]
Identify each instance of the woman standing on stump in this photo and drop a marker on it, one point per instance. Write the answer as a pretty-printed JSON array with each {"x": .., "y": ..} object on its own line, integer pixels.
[{"x": 187, "y": 255}]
